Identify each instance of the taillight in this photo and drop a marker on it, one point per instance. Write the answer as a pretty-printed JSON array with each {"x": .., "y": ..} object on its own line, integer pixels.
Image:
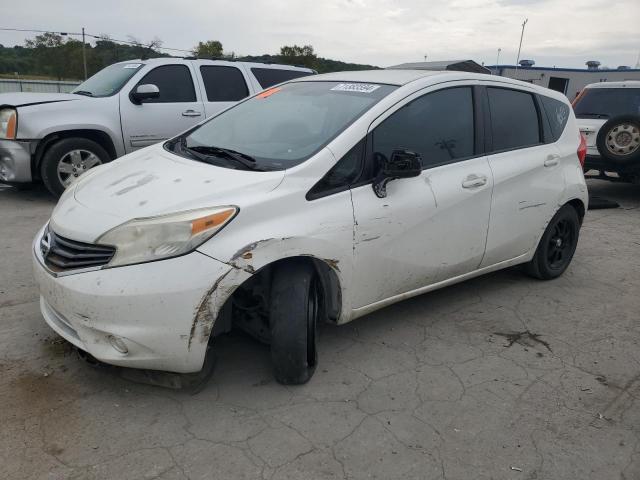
[
  {"x": 582, "y": 149},
  {"x": 575, "y": 100}
]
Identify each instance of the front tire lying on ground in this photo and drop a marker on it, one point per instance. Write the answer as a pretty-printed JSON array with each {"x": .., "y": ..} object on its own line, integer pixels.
[
  {"x": 557, "y": 245},
  {"x": 67, "y": 159},
  {"x": 295, "y": 306}
]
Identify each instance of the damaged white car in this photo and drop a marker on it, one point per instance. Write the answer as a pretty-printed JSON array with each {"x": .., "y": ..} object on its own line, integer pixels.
[{"x": 322, "y": 199}]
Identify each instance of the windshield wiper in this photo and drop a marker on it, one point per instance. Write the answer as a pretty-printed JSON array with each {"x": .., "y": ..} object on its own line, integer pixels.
[
  {"x": 83, "y": 92},
  {"x": 206, "y": 154},
  {"x": 245, "y": 160}
]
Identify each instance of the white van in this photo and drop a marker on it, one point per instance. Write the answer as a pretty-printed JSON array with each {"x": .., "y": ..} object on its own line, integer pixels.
[
  {"x": 322, "y": 199},
  {"x": 128, "y": 105}
]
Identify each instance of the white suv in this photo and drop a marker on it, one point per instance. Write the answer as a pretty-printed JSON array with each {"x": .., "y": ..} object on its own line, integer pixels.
[
  {"x": 608, "y": 115},
  {"x": 322, "y": 199},
  {"x": 128, "y": 105}
]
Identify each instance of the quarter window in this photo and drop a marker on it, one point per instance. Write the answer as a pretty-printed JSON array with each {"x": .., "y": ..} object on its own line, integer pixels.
[
  {"x": 439, "y": 126},
  {"x": 174, "y": 82},
  {"x": 557, "y": 113},
  {"x": 341, "y": 176},
  {"x": 514, "y": 119},
  {"x": 224, "y": 84},
  {"x": 272, "y": 76}
]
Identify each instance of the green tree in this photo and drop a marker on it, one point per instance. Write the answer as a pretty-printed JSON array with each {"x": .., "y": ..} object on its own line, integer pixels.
[
  {"x": 210, "y": 48},
  {"x": 296, "y": 55},
  {"x": 47, "y": 50}
]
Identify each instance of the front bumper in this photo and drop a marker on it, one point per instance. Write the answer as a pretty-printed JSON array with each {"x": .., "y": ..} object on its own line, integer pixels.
[
  {"x": 153, "y": 308},
  {"x": 15, "y": 161}
]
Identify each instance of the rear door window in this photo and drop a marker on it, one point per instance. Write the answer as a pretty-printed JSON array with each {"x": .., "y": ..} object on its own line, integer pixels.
[
  {"x": 514, "y": 119},
  {"x": 557, "y": 113},
  {"x": 174, "y": 82},
  {"x": 223, "y": 84},
  {"x": 268, "y": 77}
]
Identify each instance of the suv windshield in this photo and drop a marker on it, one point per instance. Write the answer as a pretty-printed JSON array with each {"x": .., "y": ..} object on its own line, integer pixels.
[
  {"x": 607, "y": 102},
  {"x": 281, "y": 127},
  {"x": 107, "y": 81}
]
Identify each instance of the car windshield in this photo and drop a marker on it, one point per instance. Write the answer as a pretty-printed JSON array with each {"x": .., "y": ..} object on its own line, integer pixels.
[
  {"x": 283, "y": 126},
  {"x": 607, "y": 102},
  {"x": 108, "y": 81}
]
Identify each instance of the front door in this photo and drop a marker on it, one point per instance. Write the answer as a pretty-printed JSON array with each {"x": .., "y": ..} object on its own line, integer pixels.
[
  {"x": 176, "y": 109},
  {"x": 432, "y": 227}
]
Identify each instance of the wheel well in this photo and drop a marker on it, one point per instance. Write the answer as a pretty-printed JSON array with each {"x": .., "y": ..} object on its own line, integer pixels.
[
  {"x": 98, "y": 136},
  {"x": 579, "y": 208},
  {"x": 248, "y": 307}
]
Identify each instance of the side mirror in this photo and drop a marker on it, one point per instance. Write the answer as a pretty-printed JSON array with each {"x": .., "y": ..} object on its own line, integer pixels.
[
  {"x": 144, "y": 92},
  {"x": 402, "y": 164}
]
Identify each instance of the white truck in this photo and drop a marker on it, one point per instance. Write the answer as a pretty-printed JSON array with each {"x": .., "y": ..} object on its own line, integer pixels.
[
  {"x": 126, "y": 106},
  {"x": 608, "y": 116}
]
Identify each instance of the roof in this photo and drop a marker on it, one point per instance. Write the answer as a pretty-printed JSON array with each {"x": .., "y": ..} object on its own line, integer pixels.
[
  {"x": 625, "y": 84},
  {"x": 452, "y": 65},
  {"x": 224, "y": 61},
  {"x": 560, "y": 69},
  {"x": 389, "y": 77}
]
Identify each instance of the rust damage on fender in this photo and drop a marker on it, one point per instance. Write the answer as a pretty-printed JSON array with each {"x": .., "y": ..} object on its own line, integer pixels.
[
  {"x": 333, "y": 263},
  {"x": 204, "y": 319}
]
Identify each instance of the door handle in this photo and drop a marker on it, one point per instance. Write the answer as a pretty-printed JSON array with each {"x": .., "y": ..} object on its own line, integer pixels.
[
  {"x": 551, "y": 160},
  {"x": 474, "y": 181},
  {"x": 191, "y": 113}
]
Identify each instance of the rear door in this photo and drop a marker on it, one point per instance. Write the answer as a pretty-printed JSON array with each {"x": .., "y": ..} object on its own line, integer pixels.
[
  {"x": 176, "y": 109},
  {"x": 527, "y": 173},
  {"x": 432, "y": 227},
  {"x": 222, "y": 86}
]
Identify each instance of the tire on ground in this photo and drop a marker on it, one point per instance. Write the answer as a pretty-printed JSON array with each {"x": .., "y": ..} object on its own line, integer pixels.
[
  {"x": 56, "y": 152},
  {"x": 541, "y": 266},
  {"x": 292, "y": 317}
]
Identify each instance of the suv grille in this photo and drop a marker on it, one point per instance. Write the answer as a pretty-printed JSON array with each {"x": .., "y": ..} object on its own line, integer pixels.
[{"x": 61, "y": 254}]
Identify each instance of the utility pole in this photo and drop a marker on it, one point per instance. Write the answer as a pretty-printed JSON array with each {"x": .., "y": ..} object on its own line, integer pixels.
[
  {"x": 84, "y": 55},
  {"x": 520, "y": 46},
  {"x": 498, "y": 61}
]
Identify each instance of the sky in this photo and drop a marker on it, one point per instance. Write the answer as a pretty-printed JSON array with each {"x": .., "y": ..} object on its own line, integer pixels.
[{"x": 562, "y": 33}]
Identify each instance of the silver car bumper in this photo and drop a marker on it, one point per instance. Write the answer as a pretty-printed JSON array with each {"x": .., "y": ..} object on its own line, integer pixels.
[{"x": 15, "y": 161}]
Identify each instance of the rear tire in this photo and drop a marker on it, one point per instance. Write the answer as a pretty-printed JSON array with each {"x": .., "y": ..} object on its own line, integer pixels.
[
  {"x": 557, "y": 245},
  {"x": 68, "y": 159},
  {"x": 295, "y": 302}
]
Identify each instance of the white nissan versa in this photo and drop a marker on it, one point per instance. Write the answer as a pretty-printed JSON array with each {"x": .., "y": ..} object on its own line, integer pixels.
[{"x": 321, "y": 199}]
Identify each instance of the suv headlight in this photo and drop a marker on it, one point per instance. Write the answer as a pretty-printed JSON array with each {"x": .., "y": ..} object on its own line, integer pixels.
[
  {"x": 8, "y": 123},
  {"x": 156, "y": 238}
]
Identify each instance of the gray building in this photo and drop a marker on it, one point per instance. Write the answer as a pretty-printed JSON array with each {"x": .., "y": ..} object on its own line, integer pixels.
[
  {"x": 569, "y": 81},
  {"x": 452, "y": 65}
]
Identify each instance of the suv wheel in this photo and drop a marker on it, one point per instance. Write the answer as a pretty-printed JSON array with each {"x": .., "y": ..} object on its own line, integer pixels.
[
  {"x": 557, "y": 245},
  {"x": 67, "y": 159},
  {"x": 295, "y": 306},
  {"x": 619, "y": 140}
]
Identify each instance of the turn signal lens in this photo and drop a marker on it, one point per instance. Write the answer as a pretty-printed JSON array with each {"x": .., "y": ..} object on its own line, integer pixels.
[
  {"x": 203, "y": 224},
  {"x": 8, "y": 123}
]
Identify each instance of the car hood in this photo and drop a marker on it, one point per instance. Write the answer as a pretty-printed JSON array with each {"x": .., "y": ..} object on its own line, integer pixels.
[
  {"x": 23, "y": 99},
  {"x": 152, "y": 182},
  {"x": 590, "y": 127}
]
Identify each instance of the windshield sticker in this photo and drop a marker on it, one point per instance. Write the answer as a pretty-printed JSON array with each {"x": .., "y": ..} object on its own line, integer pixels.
[
  {"x": 268, "y": 93},
  {"x": 133, "y": 65},
  {"x": 355, "y": 87}
]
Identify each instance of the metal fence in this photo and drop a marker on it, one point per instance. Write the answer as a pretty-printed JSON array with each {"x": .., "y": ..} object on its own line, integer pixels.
[{"x": 45, "y": 86}]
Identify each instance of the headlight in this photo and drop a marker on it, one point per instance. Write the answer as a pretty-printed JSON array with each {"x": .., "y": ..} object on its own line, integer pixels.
[
  {"x": 166, "y": 236},
  {"x": 8, "y": 123}
]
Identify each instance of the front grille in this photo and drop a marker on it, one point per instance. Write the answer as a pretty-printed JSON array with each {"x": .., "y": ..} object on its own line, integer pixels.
[{"x": 62, "y": 254}]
